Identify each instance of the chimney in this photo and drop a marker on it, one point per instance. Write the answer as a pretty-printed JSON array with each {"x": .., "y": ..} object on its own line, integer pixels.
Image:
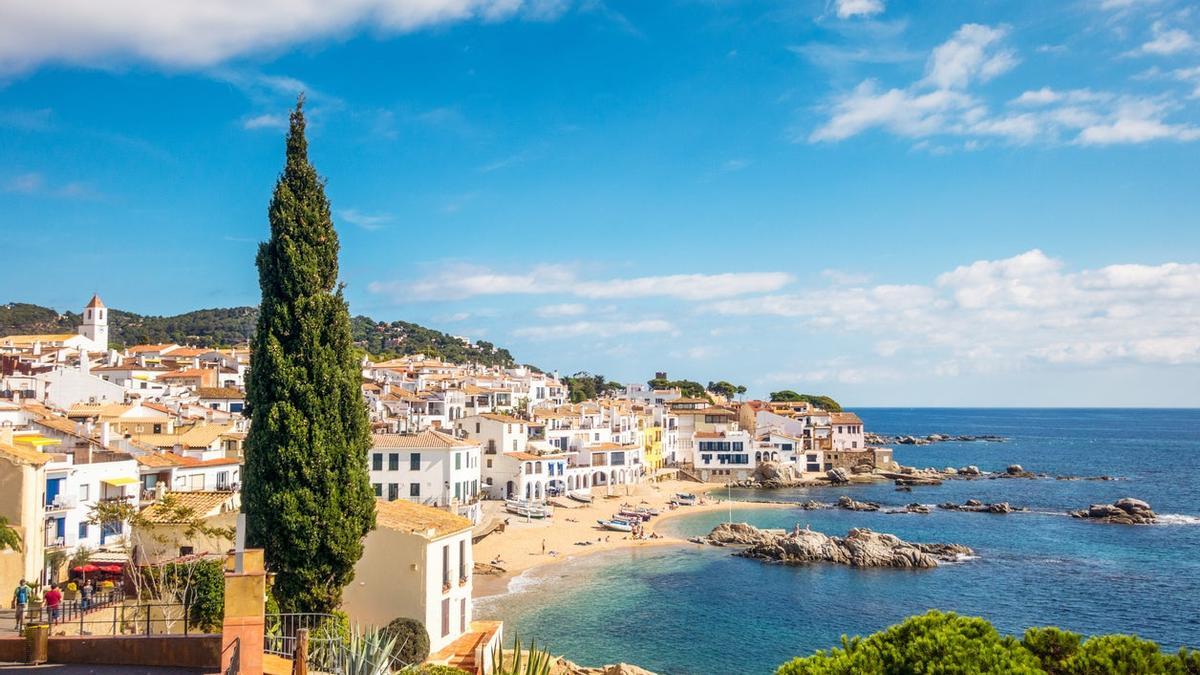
[
  {"x": 105, "y": 437},
  {"x": 89, "y": 427},
  {"x": 85, "y": 364}
]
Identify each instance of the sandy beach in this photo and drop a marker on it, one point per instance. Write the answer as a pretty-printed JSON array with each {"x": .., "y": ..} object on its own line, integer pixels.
[{"x": 525, "y": 545}]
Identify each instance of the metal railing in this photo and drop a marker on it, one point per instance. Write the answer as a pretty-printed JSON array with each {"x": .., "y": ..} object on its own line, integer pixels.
[
  {"x": 326, "y": 641},
  {"x": 106, "y": 614}
]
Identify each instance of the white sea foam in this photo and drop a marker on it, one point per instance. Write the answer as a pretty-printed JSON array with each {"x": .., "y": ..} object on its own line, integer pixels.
[
  {"x": 523, "y": 581},
  {"x": 960, "y": 558},
  {"x": 1177, "y": 519}
]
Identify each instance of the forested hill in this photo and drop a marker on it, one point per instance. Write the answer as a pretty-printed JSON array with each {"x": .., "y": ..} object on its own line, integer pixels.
[{"x": 235, "y": 325}]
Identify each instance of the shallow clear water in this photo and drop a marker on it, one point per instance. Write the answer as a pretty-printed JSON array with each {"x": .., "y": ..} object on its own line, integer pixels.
[{"x": 699, "y": 610}]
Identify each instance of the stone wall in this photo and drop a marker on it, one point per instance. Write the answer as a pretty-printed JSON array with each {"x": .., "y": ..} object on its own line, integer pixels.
[{"x": 191, "y": 651}]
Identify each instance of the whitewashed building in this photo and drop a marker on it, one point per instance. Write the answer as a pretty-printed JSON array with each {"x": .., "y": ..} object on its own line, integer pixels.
[{"x": 429, "y": 467}]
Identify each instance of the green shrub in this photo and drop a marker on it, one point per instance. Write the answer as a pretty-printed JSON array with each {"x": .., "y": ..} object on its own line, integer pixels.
[
  {"x": 533, "y": 661},
  {"x": 432, "y": 669},
  {"x": 412, "y": 640},
  {"x": 1052, "y": 647},
  {"x": 1106, "y": 654},
  {"x": 957, "y": 644}
]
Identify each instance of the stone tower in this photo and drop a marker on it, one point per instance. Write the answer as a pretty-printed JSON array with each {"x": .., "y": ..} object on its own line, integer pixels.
[{"x": 95, "y": 323}]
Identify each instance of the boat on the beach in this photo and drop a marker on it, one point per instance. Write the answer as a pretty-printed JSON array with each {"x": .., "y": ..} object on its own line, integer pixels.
[
  {"x": 633, "y": 514},
  {"x": 580, "y": 497},
  {"x": 685, "y": 499},
  {"x": 526, "y": 509},
  {"x": 616, "y": 524}
]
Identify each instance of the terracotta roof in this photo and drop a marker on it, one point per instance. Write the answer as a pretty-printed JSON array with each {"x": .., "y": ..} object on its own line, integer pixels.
[
  {"x": 30, "y": 339},
  {"x": 155, "y": 460},
  {"x": 195, "y": 436},
  {"x": 100, "y": 409},
  {"x": 95, "y": 303},
  {"x": 138, "y": 349},
  {"x": 844, "y": 418},
  {"x": 187, "y": 372},
  {"x": 216, "y": 461},
  {"x": 405, "y": 516},
  {"x": 497, "y": 417},
  {"x": 426, "y": 439},
  {"x": 202, "y": 503},
  {"x": 220, "y": 392},
  {"x": 187, "y": 352}
]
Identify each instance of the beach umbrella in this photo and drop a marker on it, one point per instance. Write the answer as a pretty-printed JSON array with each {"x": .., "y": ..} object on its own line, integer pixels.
[
  {"x": 111, "y": 569},
  {"x": 85, "y": 568}
]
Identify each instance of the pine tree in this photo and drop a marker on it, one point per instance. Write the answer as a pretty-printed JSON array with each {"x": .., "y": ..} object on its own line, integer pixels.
[{"x": 306, "y": 494}]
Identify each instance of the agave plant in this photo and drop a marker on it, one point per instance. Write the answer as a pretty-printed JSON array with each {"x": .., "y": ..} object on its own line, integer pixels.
[
  {"x": 369, "y": 653},
  {"x": 532, "y": 662}
]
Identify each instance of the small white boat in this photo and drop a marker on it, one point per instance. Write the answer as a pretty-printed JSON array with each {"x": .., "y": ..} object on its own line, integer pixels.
[
  {"x": 685, "y": 499},
  {"x": 616, "y": 524},
  {"x": 526, "y": 509},
  {"x": 633, "y": 514},
  {"x": 580, "y": 497}
]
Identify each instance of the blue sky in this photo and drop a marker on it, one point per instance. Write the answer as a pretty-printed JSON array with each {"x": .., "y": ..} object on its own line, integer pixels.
[{"x": 896, "y": 203}]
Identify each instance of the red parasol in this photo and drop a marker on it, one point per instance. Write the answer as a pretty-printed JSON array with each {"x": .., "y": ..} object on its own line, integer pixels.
[
  {"x": 85, "y": 568},
  {"x": 111, "y": 569}
]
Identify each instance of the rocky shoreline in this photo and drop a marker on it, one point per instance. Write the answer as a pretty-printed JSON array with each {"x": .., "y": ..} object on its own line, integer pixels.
[
  {"x": 878, "y": 439},
  {"x": 1127, "y": 511},
  {"x": 859, "y": 548}
]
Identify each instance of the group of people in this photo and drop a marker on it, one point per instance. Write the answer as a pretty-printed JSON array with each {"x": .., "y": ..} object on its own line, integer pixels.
[{"x": 85, "y": 592}]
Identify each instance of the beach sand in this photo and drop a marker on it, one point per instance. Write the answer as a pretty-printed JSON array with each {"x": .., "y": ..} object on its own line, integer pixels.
[{"x": 525, "y": 545}]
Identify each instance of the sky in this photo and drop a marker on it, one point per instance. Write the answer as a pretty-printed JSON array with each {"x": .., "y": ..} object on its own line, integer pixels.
[{"x": 900, "y": 203}]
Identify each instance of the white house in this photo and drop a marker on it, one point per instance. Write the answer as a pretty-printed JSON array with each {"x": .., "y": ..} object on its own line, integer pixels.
[
  {"x": 429, "y": 467},
  {"x": 417, "y": 563},
  {"x": 847, "y": 431},
  {"x": 723, "y": 455}
]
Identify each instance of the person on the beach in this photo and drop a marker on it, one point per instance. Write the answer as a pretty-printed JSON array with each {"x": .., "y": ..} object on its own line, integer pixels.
[{"x": 543, "y": 547}]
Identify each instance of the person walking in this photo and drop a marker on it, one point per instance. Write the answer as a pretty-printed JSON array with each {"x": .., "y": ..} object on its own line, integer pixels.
[
  {"x": 20, "y": 602},
  {"x": 54, "y": 602},
  {"x": 85, "y": 596}
]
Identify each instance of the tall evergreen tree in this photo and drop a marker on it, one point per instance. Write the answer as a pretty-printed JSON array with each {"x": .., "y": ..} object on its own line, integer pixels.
[{"x": 306, "y": 494}]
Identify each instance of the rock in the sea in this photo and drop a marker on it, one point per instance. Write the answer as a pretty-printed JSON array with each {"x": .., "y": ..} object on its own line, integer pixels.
[
  {"x": 859, "y": 548},
  {"x": 1127, "y": 511},
  {"x": 838, "y": 475},
  {"x": 971, "y": 470},
  {"x": 1014, "y": 469},
  {"x": 976, "y": 506},
  {"x": 766, "y": 471},
  {"x": 845, "y": 502},
  {"x": 814, "y": 505},
  {"x": 950, "y": 471}
]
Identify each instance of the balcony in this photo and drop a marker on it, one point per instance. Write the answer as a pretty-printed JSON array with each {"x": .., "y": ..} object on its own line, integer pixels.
[{"x": 61, "y": 503}]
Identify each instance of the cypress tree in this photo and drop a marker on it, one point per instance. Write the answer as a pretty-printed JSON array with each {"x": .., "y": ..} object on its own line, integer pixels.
[{"x": 306, "y": 493}]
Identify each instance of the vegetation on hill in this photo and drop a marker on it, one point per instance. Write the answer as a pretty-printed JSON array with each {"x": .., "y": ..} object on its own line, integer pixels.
[
  {"x": 822, "y": 402},
  {"x": 583, "y": 386},
  {"x": 307, "y": 494},
  {"x": 225, "y": 327},
  {"x": 687, "y": 388},
  {"x": 938, "y": 642}
]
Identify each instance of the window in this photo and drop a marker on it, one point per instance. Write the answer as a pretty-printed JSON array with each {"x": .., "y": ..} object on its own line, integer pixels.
[
  {"x": 414, "y": 461},
  {"x": 393, "y": 491},
  {"x": 462, "y": 560},
  {"x": 446, "y": 565},
  {"x": 477, "y": 427},
  {"x": 489, "y": 463},
  {"x": 414, "y": 489},
  {"x": 186, "y": 550},
  {"x": 378, "y": 489},
  {"x": 377, "y": 461},
  {"x": 222, "y": 480},
  {"x": 198, "y": 482},
  {"x": 394, "y": 461},
  {"x": 83, "y": 531},
  {"x": 157, "y": 428},
  {"x": 514, "y": 445},
  {"x": 457, "y": 460},
  {"x": 458, "y": 491},
  {"x": 462, "y": 617},
  {"x": 85, "y": 492}
]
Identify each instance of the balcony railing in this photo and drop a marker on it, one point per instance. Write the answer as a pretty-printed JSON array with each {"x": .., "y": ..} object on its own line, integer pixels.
[{"x": 61, "y": 503}]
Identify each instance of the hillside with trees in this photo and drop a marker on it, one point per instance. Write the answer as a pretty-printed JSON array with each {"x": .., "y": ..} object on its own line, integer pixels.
[{"x": 225, "y": 327}]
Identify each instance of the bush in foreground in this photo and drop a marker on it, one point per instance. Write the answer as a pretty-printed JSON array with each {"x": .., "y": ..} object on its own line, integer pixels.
[
  {"x": 948, "y": 644},
  {"x": 412, "y": 640}
]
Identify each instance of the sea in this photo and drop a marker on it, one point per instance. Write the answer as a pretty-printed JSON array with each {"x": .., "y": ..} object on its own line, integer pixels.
[{"x": 691, "y": 609}]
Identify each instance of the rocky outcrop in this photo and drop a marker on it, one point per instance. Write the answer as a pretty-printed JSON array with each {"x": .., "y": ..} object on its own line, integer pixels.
[
  {"x": 859, "y": 548},
  {"x": 976, "y": 506},
  {"x": 565, "y": 667},
  {"x": 814, "y": 505},
  {"x": 877, "y": 439},
  {"x": 849, "y": 504},
  {"x": 838, "y": 475},
  {"x": 1127, "y": 511}
]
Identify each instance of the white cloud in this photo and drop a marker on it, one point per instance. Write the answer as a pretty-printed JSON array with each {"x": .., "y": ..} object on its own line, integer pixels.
[
  {"x": 970, "y": 54},
  {"x": 187, "y": 34},
  {"x": 463, "y": 281},
  {"x": 844, "y": 278},
  {"x": 266, "y": 121},
  {"x": 366, "y": 221},
  {"x": 1015, "y": 312},
  {"x": 593, "y": 329},
  {"x": 564, "y": 309},
  {"x": 34, "y": 183},
  {"x": 851, "y": 8},
  {"x": 1167, "y": 41},
  {"x": 944, "y": 103}
]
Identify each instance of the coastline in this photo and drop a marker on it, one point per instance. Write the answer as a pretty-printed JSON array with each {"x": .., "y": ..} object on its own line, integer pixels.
[{"x": 519, "y": 547}]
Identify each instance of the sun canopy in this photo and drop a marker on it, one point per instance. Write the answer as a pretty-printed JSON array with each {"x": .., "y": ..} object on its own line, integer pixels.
[
  {"x": 117, "y": 482},
  {"x": 37, "y": 441}
]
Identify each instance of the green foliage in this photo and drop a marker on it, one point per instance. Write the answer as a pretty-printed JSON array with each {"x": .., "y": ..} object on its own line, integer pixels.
[
  {"x": 306, "y": 493},
  {"x": 533, "y": 661},
  {"x": 369, "y": 653},
  {"x": 432, "y": 669},
  {"x": 822, "y": 402},
  {"x": 1052, "y": 647},
  {"x": 583, "y": 386},
  {"x": 946, "y": 643},
  {"x": 55, "y": 560},
  {"x": 329, "y": 640},
  {"x": 9, "y": 539},
  {"x": 955, "y": 643},
  {"x": 203, "y": 582},
  {"x": 687, "y": 388},
  {"x": 401, "y": 338},
  {"x": 411, "y": 640},
  {"x": 725, "y": 389}
]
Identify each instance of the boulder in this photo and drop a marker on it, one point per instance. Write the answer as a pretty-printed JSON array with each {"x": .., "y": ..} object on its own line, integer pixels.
[
  {"x": 972, "y": 502},
  {"x": 767, "y": 471},
  {"x": 1015, "y": 470},
  {"x": 859, "y": 548},
  {"x": 838, "y": 475},
  {"x": 845, "y": 502},
  {"x": 1127, "y": 511},
  {"x": 976, "y": 506},
  {"x": 971, "y": 470},
  {"x": 814, "y": 505},
  {"x": 950, "y": 471}
]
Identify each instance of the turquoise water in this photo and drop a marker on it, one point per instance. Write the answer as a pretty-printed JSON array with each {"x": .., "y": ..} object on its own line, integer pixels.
[{"x": 699, "y": 610}]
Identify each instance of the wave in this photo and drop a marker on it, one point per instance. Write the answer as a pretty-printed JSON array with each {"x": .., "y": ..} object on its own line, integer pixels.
[
  {"x": 1177, "y": 519},
  {"x": 523, "y": 581},
  {"x": 960, "y": 559}
]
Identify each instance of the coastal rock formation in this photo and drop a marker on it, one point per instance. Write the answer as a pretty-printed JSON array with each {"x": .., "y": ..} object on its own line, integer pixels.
[
  {"x": 976, "y": 506},
  {"x": 565, "y": 667},
  {"x": 849, "y": 504},
  {"x": 970, "y": 470},
  {"x": 838, "y": 475},
  {"x": 878, "y": 439},
  {"x": 1127, "y": 511},
  {"x": 814, "y": 505},
  {"x": 859, "y": 548}
]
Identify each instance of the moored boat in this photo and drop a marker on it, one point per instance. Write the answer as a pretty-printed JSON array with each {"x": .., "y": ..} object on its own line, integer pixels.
[
  {"x": 616, "y": 524},
  {"x": 685, "y": 499},
  {"x": 526, "y": 509},
  {"x": 580, "y": 497},
  {"x": 632, "y": 514}
]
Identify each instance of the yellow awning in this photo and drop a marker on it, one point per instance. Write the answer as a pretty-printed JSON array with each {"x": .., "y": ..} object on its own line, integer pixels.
[
  {"x": 37, "y": 441},
  {"x": 117, "y": 482}
]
